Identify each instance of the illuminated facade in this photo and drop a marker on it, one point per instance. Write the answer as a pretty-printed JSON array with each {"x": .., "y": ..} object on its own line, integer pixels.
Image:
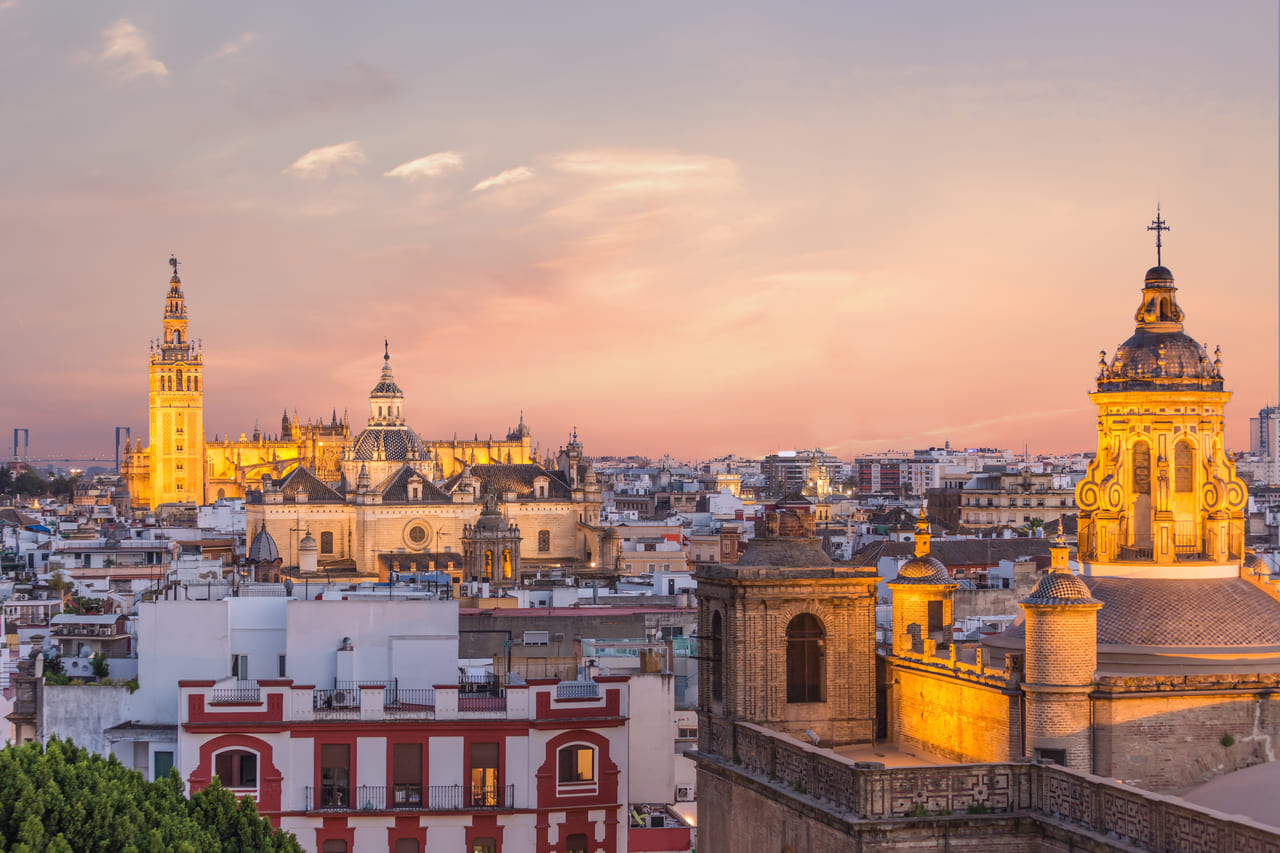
[{"x": 1162, "y": 494}]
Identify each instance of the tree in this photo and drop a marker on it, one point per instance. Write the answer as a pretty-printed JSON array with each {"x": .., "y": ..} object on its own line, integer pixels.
[
  {"x": 63, "y": 799},
  {"x": 30, "y": 483}
]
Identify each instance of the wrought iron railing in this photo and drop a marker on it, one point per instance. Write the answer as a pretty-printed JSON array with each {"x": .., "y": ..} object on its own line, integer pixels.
[
  {"x": 413, "y": 703},
  {"x": 478, "y": 705},
  {"x": 244, "y": 691},
  {"x": 403, "y": 797},
  {"x": 577, "y": 690}
]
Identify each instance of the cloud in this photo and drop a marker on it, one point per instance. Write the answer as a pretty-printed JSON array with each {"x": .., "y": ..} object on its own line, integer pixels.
[
  {"x": 128, "y": 52},
  {"x": 502, "y": 179},
  {"x": 629, "y": 171},
  {"x": 318, "y": 162},
  {"x": 233, "y": 47},
  {"x": 426, "y": 167}
]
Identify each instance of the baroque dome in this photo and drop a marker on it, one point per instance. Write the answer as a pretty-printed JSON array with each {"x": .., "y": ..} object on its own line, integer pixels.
[
  {"x": 390, "y": 444},
  {"x": 924, "y": 570},
  {"x": 1159, "y": 354},
  {"x": 1061, "y": 588}
]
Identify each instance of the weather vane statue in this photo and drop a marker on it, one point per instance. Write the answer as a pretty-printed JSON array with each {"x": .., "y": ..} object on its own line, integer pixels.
[{"x": 1157, "y": 225}]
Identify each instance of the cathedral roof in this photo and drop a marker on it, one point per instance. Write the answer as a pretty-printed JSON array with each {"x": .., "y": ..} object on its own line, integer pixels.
[
  {"x": 499, "y": 479},
  {"x": 315, "y": 490},
  {"x": 395, "y": 488}
]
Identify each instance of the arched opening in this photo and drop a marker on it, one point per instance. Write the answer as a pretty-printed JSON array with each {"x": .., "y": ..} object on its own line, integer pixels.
[
  {"x": 1140, "y": 535},
  {"x": 717, "y": 657},
  {"x": 488, "y": 564},
  {"x": 196, "y": 383},
  {"x": 179, "y": 375},
  {"x": 236, "y": 768},
  {"x": 1183, "y": 466},
  {"x": 506, "y": 563},
  {"x": 805, "y": 665},
  {"x": 326, "y": 542}
]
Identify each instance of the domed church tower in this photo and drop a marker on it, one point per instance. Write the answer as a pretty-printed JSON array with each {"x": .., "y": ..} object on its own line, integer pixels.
[
  {"x": 386, "y": 443},
  {"x": 922, "y": 597},
  {"x": 1161, "y": 498}
]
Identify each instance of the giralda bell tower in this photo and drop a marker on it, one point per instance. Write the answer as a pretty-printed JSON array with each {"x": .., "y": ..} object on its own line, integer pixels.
[{"x": 176, "y": 406}]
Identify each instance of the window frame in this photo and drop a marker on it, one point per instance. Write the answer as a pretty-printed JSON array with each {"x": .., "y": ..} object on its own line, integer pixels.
[
  {"x": 236, "y": 755},
  {"x": 577, "y": 787}
]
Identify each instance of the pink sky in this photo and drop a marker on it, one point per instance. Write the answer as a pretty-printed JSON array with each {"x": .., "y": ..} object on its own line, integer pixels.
[{"x": 735, "y": 228}]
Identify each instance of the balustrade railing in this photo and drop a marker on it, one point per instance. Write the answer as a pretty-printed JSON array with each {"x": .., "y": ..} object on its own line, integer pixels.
[
  {"x": 244, "y": 691},
  {"x": 405, "y": 797},
  {"x": 577, "y": 690}
]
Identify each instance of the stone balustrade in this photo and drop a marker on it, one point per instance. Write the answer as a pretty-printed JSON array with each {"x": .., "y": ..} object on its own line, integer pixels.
[{"x": 1078, "y": 802}]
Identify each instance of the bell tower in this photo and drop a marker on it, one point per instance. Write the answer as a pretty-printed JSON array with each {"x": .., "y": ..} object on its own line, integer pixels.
[
  {"x": 1161, "y": 498},
  {"x": 176, "y": 405}
]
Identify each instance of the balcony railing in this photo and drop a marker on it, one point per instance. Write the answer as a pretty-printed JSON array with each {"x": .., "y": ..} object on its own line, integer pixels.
[
  {"x": 439, "y": 798},
  {"x": 341, "y": 703},
  {"x": 483, "y": 704},
  {"x": 244, "y": 691},
  {"x": 412, "y": 704},
  {"x": 577, "y": 690}
]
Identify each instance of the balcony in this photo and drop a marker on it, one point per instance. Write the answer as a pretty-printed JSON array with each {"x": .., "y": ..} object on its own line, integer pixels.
[
  {"x": 340, "y": 703},
  {"x": 411, "y": 704},
  {"x": 439, "y": 798},
  {"x": 244, "y": 691},
  {"x": 577, "y": 690}
]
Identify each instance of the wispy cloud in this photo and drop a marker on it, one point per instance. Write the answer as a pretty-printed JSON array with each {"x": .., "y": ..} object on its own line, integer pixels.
[
  {"x": 502, "y": 179},
  {"x": 625, "y": 170},
  {"x": 426, "y": 167},
  {"x": 127, "y": 50},
  {"x": 318, "y": 162},
  {"x": 234, "y": 46}
]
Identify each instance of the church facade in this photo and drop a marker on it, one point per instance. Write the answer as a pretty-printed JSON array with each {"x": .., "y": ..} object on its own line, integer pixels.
[{"x": 1152, "y": 658}]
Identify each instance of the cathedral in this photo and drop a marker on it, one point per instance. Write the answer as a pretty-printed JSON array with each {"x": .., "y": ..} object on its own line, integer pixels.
[
  {"x": 1151, "y": 658},
  {"x": 380, "y": 501}
]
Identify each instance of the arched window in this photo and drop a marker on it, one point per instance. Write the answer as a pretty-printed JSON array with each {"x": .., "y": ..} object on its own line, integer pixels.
[
  {"x": 196, "y": 383},
  {"x": 576, "y": 843},
  {"x": 236, "y": 768},
  {"x": 1183, "y": 470},
  {"x": 576, "y": 769},
  {"x": 717, "y": 657},
  {"x": 506, "y": 563},
  {"x": 179, "y": 380},
  {"x": 805, "y": 664},
  {"x": 1142, "y": 468},
  {"x": 326, "y": 542},
  {"x": 488, "y": 564}
]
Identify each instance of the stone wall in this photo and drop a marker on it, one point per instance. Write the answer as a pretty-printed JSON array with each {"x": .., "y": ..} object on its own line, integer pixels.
[
  {"x": 1206, "y": 726},
  {"x": 762, "y": 791},
  {"x": 960, "y": 712}
]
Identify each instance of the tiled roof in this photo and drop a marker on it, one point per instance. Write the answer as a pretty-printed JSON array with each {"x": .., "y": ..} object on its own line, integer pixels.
[
  {"x": 500, "y": 479},
  {"x": 302, "y": 480},
  {"x": 395, "y": 489},
  {"x": 390, "y": 443},
  {"x": 1204, "y": 612},
  {"x": 954, "y": 553}
]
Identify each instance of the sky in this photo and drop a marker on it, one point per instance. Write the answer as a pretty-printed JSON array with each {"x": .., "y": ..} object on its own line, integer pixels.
[{"x": 696, "y": 229}]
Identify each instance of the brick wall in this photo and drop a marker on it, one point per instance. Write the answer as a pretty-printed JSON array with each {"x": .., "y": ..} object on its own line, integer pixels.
[{"x": 953, "y": 717}]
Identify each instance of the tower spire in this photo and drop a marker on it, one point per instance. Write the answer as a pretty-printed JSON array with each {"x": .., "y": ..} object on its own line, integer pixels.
[{"x": 1157, "y": 225}]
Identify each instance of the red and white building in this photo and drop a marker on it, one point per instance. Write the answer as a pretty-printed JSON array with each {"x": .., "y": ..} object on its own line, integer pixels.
[{"x": 365, "y": 745}]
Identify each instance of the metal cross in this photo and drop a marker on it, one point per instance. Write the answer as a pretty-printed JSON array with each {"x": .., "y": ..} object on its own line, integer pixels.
[{"x": 1157, "y": 225}]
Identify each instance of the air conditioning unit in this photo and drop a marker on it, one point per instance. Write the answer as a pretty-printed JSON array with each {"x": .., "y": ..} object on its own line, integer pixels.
[
  {"x": 346, "y": 698},
  {"x": 684, "y": 793},
  {"x": 22, "y": 596}
]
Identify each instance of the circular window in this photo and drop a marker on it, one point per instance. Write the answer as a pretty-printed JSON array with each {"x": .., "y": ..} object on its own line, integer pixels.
[{"x": 417, "y": 534}]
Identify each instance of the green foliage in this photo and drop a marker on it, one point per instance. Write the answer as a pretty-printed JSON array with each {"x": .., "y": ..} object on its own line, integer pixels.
[
  {"x": 918, "y": 810},
  {"x": 1228, "y": 740},
  {"x": 99, "y": 664},
  {"x": 978, "y": 808},
  {"x": 64, "y": 799},
  {"x": 131, "y": 684}
]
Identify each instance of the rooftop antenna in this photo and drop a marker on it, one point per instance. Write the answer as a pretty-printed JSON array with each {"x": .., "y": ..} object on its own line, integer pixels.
[{"x": 1157, "y": 225}]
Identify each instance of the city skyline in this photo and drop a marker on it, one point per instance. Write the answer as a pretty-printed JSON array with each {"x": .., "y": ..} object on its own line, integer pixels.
[{"x": 717, "y": 233}]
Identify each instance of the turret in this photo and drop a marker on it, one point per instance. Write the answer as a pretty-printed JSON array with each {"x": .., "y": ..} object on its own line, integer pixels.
[{"x": 922, "y": 598}]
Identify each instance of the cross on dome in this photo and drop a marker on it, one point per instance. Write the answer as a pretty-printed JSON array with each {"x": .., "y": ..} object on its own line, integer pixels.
[{"x": 1157, "y": 225}]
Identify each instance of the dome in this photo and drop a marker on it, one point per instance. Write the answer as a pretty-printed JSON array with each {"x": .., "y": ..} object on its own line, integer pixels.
[
  {"x": 308, "y": 543},
  {"x": 391, "y": 444},
  {"x": 491, "y": 521},
  {"x": 263, "y": 548},
  {"x": 1160, "y": 273},
  {"x": 922, "y": 571},
  {"x": 1061, "y": 588},
  {"x": 1150, "y": 358}
]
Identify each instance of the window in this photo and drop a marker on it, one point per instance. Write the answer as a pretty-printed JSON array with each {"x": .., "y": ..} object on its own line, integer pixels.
[
  {"x": 335, "y": 775},
  {"x": 484, "y": 774},
  {"x": 162, "y": 763},
  {"x": 326, "y": 542},
  {"x": 717, "y": 657},
  {"x": 805, "y": 670},
  {"x": 935, "y": 617},
  {"x": 576, "y": 843},
  {"x": 406, "y": 775},
  {"x": 544, "y": 541},
  {"x": 484, "y": 845},
  {"x": 1142, "y": 468},
  {"x": 235, "y": 768},
  {"x": 687, "y": 732},
  {"x": 1054, "y": 756},
  {"x": 240, "y": 667},
  {"x": 577, "y": 764},
  {"x": 334, "y": 845},
  {"x": 537, "y": 638},
  {"x": 407, "y": 845},
  {"x": 1183, "y": 475},
  {"x": 281, "y": 669}
]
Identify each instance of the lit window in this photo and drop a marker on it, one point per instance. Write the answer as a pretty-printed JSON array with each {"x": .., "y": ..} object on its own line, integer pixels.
[{"x": 577, "y": 766}]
